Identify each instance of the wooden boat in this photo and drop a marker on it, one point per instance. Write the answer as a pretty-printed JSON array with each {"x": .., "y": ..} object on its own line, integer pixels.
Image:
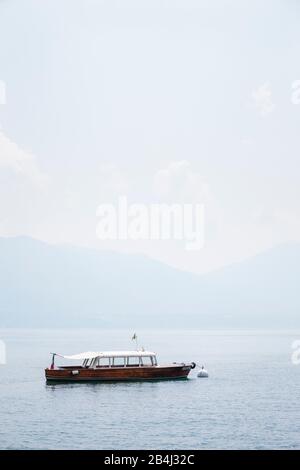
[{"x": 116, "y": 366}]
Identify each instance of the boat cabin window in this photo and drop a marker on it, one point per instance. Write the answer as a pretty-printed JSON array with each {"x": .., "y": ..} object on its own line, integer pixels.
[
  {"x": 104, "y": 362},
  {"x": 118, "y": 361},
  {"x": 133, "y": 361},
  {"x": 87, "y": 363},
  {"x": 130, "y": 361},
  {"x": 146, "y": 361},
  {"x": 153, "y": 360}
]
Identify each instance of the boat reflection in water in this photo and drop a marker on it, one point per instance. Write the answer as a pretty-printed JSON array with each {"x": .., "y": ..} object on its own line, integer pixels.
[{"x": 116, "y": 366}]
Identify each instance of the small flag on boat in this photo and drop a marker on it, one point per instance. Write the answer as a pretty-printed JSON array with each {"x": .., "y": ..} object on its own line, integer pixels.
[{"x": 134, "y": 338}]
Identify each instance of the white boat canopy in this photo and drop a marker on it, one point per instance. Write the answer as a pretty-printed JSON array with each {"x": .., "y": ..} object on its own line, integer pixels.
[{"x": 104, "y": 354}]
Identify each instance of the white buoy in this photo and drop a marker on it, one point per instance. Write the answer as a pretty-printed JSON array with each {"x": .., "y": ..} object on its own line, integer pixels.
[{"x": 203, "y": 373}]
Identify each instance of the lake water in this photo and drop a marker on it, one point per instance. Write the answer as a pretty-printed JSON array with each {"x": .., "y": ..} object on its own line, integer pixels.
[{"x": 250, "y": 401}]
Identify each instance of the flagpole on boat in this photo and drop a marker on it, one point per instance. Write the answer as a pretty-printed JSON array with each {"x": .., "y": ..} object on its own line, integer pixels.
[{"x": 53, "y": 361}]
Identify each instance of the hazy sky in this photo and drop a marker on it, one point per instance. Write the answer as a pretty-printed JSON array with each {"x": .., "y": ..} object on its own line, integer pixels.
[{"x": 101, "y": 98}]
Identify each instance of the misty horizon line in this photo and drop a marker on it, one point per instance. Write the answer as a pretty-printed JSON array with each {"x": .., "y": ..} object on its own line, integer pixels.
[{"x": 148, "y": 256}]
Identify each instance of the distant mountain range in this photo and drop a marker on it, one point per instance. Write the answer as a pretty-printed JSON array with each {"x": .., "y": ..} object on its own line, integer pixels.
[{"x": 44, "y": 285}]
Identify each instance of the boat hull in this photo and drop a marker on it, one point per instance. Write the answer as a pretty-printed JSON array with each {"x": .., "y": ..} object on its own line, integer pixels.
[{"x": 117, "y": 374}]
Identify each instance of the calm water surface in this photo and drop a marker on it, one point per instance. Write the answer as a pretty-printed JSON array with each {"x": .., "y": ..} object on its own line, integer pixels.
[{"x": 250, "y": 401}]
